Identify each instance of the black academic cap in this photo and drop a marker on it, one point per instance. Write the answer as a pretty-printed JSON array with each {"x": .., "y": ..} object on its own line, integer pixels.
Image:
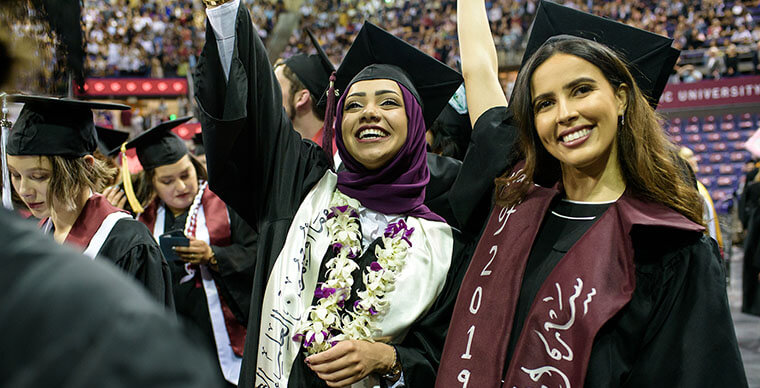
[
  {"x": 109, "y": 140},
  {"x": 312, "y": 70},
  {"x": 650, "y": 56},
  {"x": 159, "y": 146},
  {"x": 55, "y": 126},
  {"x": 376, "y": 54}
]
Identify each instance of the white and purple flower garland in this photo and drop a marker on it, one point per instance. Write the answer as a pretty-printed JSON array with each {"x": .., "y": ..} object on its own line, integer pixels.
[{"x": 329, "y": 321}]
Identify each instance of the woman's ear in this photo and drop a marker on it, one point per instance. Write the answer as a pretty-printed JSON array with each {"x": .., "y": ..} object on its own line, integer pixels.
[
  {"x": 89, "y": 159},
  {"x": 621, "y": 95}
]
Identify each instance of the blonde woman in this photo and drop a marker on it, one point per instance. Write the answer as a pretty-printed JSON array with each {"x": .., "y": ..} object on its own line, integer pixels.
[{"x": 53, "y": 171}]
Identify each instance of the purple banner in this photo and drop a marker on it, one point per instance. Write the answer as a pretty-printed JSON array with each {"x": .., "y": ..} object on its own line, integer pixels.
[{"x": 726, "y": 91}]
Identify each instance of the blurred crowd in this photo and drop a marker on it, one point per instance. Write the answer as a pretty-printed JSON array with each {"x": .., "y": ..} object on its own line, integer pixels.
[
  {"x": 162, "y": 38},
  {"x": 154, "y": 38}
]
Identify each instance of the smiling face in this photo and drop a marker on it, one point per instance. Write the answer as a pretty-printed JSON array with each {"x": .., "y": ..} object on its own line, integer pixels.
[
  {"x": 374, "y": 125},
  {"x": 30, "y": 176},
  {"x": 176, "y": 184},
  {"x": 576, "y": 111}
]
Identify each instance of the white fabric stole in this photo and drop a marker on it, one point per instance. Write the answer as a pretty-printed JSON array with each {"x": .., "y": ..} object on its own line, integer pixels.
[
  {"x": 102, "y": 233},
  {"x": 47, "y": 226},
  {"x": 158, "y": 226},
  {"x": 293, "y": 279},
  {"x": 228, "y": 360}
]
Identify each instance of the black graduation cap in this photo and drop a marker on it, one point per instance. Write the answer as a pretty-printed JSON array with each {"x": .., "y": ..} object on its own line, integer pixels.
[
  {"x": 650, "y": 56},
  {"x": 312, "y": 70},
  {"x": 55, "y": 126},
  {"x": 109, "y": 140},
  {"x": 376, "y": 54},
  {"x": 159, "y": 146}
]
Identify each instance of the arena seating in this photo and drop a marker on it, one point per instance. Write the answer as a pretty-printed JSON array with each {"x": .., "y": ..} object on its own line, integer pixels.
[{"x": 718, "y": 143}]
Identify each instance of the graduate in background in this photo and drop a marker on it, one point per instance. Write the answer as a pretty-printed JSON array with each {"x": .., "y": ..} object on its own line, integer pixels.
[
  {"x": 749, "y": 215},
  {"x": 213, "y": 275},
  {"x": 592, "y": 269},
  {"x": 355, "y": 283},
  {"x": 53, "y": 171},
  {"x": 303, "y": 80},
  {"x": 709, "y": 216}
]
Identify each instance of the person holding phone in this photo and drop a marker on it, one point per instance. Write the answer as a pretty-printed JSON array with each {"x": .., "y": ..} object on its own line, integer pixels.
[
  {"x": 215, "y": 248},
  {"x": 54, "y": 172}
]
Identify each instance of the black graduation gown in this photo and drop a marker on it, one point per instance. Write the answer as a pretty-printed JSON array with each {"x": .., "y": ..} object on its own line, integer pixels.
[
  {"x": 69, "y": 321},
  {"x": 131, "y": 247},
  {"x": 234, "y": 279},
  {"x": 749, "y": 213},
  {"x": 443, "y": 172},
  {"x": 263, "y": 169},
  {"x": 679, "y": 303}
]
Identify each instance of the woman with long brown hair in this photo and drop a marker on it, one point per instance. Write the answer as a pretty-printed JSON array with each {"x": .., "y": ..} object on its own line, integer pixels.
[
  {"x": 212, "y": 270},
  {"x": 592, "y": 269}
]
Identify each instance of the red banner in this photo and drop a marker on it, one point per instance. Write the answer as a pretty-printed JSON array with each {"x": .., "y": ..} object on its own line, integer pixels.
[
  {"x": 137, "y": 87},
  {"x": 726, "y": 91}
]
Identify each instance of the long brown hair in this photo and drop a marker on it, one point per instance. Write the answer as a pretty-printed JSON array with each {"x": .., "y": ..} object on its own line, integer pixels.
[{"x": 648, "y": 160}]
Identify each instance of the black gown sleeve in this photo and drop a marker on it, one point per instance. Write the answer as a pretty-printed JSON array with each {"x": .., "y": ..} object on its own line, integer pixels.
[
  {"x": 236, "y": 264},
  {"x": 75, "y": 322},
  {"x": 420, "y": 351},
  {"x": 490, "y": 153},
  {"x": 257, "y": 163},
  {"x": 131, "y": 247},
  {"x": 677, "y": 330},
  {"x": 443, "y": 172}
]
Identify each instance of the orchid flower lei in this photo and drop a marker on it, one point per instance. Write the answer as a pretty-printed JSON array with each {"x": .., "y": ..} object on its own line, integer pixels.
[{"x": 329, "y": 320}]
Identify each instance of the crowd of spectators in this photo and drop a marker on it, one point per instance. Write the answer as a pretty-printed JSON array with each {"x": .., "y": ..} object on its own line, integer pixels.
[
  {"x": 162, "y": 38},
  {"x": 154, "y": 38}
]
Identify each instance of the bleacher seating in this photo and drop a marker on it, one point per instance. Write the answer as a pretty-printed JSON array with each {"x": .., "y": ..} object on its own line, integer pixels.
[{"x": 718, "y": 143}]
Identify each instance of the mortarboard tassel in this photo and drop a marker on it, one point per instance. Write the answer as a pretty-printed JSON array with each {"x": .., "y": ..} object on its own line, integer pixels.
[
  {"x": 5, "y": 126},
  {"x": 329, "y": 131},
  {"x": 127, "y": 182}
]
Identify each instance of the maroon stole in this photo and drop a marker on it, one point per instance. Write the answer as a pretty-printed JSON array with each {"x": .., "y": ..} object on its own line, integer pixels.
[
  {"x": 592, "y": 282},
  {"x": 95, "y": 211},
  {"x": 218, "y": 224}
]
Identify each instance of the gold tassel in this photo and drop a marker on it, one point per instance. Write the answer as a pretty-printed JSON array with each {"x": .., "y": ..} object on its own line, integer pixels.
[{"x": 127, "y": 182}]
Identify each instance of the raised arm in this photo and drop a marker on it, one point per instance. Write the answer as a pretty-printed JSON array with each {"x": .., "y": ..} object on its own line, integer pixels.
[
  {"x": 480, "y": 66},
  {"x": 492, "y": 146},
  {"x": 257, "y": 163}
]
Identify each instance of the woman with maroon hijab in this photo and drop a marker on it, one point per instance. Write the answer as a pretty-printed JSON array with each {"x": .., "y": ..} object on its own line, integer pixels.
[{"x": 356, "y": 281}]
